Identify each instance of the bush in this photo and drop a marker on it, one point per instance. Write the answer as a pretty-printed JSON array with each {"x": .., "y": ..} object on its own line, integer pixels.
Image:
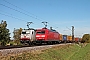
[{"x": 86, "y": 38}]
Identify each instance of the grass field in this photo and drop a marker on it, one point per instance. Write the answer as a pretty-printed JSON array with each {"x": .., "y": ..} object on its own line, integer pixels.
[{"x": 67, "y": 52}]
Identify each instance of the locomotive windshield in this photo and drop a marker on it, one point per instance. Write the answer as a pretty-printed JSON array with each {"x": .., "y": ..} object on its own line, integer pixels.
[
  {"x": 40, "y": 32},
  {"x": 23, "y": 32}
]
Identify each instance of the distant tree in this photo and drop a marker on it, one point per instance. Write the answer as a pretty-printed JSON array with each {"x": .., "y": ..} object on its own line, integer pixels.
[
  {"x": 86, "y": 38},
  {"x": 17, "y": 34},
  {"x": 4, "y": 33}
]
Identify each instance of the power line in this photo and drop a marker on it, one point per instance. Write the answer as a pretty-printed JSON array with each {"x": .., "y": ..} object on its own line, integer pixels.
[
  {"x": 18, "y": 11},
  {"x": 69, "y": 28},
  {"x": 11, "y": 14},
  {"x": 13, "y": 17},
  {"x": 18, "y": 7},
  {"x": 22, "y": 9}
]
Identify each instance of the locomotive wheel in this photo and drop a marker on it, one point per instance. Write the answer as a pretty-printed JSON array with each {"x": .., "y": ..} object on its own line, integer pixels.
[
  {"x": 30, "y": 43},
  {"x": 65, "y": 42},
  {"x": 59, "y": 42},
  {"x": 49, "y": 42},
  {"x": 39, "y": 43}
]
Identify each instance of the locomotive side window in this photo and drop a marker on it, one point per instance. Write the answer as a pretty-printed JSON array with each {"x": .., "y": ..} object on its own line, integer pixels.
[
  {"x": 32, "y": 32},
  {"x": 41, "y": 32}
]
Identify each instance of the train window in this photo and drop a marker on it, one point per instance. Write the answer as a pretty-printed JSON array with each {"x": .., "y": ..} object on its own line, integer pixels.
[
  {"x": 53, "y": 30},
  {"x": 27, "y": 32},
  {"x": 23, "y": 32},
  {"x": 32, "y": 32},
  {"x": 41, "y": 32}
]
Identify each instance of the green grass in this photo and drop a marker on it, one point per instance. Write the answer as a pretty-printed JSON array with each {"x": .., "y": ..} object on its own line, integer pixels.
[
  {"x": 67, "y": 52},
  {"x": 63, "y": 53},
  {"x": 82, "y": 53}
]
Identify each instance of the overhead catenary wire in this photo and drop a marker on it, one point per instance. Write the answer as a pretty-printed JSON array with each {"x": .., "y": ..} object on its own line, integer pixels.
[
  {"x": 68, "y": 28},
  {"x": 19, "y": 11},
  {"x": 19, "y": 7},
  {"x": 13, "y": 17}
]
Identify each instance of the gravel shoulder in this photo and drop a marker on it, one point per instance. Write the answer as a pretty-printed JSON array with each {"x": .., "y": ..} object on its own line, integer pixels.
[{"x": 17, "y": 51}]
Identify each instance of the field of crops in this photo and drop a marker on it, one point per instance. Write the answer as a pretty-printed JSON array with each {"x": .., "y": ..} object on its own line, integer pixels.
[{"x": 65, "y": 52}]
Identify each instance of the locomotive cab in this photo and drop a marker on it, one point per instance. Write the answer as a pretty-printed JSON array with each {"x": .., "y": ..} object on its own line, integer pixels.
[
  {"x": 27, "y": 36},
  {"x": 40, "y": 34}
]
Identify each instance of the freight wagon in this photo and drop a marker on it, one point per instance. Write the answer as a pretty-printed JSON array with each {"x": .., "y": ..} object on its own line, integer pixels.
[
  {"x": 77, "y": 39},
  {"x": 65, "y": 38},
  {"x": 69, "y": 38},
  {"x": 61, "y": 37}
]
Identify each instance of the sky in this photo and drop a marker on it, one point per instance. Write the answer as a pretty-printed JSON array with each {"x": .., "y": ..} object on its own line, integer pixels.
[{"x": 60, "y": 14}]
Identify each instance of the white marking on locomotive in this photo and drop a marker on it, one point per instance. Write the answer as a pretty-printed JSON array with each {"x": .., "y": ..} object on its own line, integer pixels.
[
  {"x": 29, "y": 34},
  {"x": 40, "y": 35}
]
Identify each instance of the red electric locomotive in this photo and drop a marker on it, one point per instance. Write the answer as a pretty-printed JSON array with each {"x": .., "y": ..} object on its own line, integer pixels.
[{"x": 49, "y": 36}]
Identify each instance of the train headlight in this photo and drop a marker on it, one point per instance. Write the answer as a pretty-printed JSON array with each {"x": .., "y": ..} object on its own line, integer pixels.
[
  {"x": 37, "y": 35},
  {"x": 43, "y": 36}
]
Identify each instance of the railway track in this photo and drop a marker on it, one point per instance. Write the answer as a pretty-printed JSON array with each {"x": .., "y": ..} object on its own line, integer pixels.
[
  {"x": 18, "y": 50},
  {"x": 10, "y": 47},
  {"x": 18, "y": 46}
]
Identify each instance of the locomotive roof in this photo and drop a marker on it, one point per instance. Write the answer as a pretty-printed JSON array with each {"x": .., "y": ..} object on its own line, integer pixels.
[
  {"x": 43, "y": 29},
  {"x": 29, "y": 29},
  {"x": 48, "y": 29}
]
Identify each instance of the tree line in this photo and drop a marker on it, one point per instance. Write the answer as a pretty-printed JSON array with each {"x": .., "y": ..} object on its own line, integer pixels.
[{"x": 5, "y": 35}]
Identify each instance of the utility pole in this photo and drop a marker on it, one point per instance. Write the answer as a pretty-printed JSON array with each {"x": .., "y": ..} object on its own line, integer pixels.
[
  {"x": 45, "y": 23},
  {"x": 28, "y": 23},
  {"x": 73, "y": 33}
]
